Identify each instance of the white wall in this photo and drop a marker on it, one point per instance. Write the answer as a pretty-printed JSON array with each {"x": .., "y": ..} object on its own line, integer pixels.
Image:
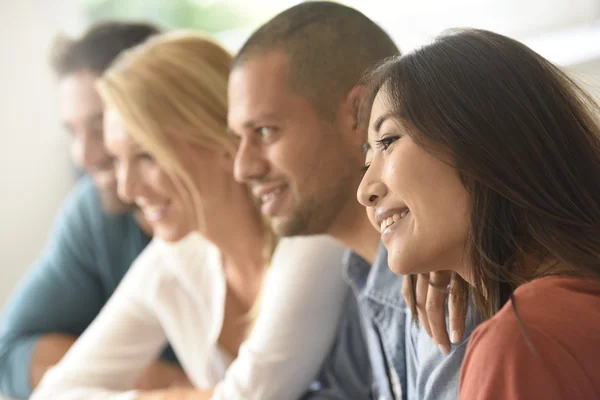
[
  {"x": 412, "y": 23},
  {"x": 35, "y": 174}
]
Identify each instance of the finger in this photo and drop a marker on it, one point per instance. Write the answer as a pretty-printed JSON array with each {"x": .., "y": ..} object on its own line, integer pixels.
[
  {"x": 457, "y": 306},
  {"x": 407, "y": 291},
  {"x": 422, "y": 289},
  {"x": 436, "y": 308}
]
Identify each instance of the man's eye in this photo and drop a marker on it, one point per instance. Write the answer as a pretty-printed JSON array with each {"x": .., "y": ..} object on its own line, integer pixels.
[{"x": 266, "y": 133}]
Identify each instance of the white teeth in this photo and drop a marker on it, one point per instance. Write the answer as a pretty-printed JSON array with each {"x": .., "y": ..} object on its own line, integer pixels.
[
  {"x": 270, "y": 196},
  {"x": 391, "y": 220},
  {"x": 153, "y": 213},
  {"x": 153, "y": 210}
]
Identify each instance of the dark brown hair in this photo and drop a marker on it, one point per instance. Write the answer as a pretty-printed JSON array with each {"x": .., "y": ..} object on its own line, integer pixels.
[
  {"x": 329, "y": 47},
  {"x": 98, "y": 47},
  {"x": 524, "y": 138}
]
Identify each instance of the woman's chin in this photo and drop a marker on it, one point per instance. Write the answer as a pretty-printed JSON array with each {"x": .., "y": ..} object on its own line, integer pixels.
[
  {"x": 402, "y": 267},
  {"x": 395, "y": 266},
  {"x": 170, "y": 235}
]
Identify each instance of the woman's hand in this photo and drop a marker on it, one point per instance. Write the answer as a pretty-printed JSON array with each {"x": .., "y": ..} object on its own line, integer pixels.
[{"x": 431, "y": 292}]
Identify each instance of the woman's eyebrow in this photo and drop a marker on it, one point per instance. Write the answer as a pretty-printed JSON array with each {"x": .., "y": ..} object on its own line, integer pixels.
[{"x": 380, "y": 120}]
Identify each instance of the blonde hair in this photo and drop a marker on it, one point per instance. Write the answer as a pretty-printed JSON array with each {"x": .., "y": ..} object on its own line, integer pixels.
[{"x": 175, "y": 85}]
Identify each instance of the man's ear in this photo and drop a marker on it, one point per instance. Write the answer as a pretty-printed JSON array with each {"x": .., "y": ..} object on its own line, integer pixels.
[{"x": 350, "y": 110}]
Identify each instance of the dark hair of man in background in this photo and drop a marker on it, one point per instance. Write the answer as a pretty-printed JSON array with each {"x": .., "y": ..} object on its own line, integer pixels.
[{"x": 98, "y": 48}]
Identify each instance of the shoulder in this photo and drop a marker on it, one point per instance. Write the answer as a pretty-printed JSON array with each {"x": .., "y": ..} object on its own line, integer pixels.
[
  {"x": 320, "y": 248},
  {"x": 83, "y": 210},
  {"x": 542, "y": 306},
  {"x": 83, "y": 200},
  {"x": 534, "y": 317},
  {"x": 300, "y": 260},
  {"x": 148, "y": 265},
  {"x": 147, "y": 274},
  {"x": 528, "y": 343}
]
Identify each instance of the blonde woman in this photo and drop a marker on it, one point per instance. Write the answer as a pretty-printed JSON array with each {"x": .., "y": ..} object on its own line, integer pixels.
[{"x": 198, "y": 281}]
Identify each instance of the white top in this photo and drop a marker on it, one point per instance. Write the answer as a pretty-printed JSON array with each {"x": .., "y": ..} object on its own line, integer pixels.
[{"x": 176, "y": 293}]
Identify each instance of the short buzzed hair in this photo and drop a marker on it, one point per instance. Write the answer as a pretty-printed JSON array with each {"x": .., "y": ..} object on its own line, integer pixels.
[
  {"x": 98, "y": 47},
  {"x": 329, "y": 46}
]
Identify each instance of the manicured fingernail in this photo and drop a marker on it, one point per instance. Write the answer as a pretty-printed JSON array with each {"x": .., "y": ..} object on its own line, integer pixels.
[
  {"x": 455, "y": 336},
  {"x": 444, "y": 349}
]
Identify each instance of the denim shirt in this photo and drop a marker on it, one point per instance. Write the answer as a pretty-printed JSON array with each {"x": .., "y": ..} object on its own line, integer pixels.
[{"x": 405, "y": 363}]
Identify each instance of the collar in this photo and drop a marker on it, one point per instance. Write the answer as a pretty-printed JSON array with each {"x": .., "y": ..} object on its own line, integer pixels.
[{"x": 377, "y": 282}]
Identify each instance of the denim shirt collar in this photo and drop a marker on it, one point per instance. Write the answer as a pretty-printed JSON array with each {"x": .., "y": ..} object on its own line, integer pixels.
[
  {"x": 389, "y": 337},
  {"x": 376, "y": 283},
  {"x": 379, "y": 295}
]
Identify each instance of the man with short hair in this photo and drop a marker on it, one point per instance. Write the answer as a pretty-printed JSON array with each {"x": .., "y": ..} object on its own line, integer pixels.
[
  {"x": 95, "y": 237},
  {"x": 293, "y": 96}
]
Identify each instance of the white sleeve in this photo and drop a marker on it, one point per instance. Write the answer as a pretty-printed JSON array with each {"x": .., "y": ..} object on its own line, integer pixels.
[
  {"x": 301, "y": 305},
  {"x": 107, "y": 359}
]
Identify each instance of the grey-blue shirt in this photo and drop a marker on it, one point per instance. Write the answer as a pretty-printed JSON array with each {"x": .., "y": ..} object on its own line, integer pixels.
[
  {"x": 403, "y": 361},
  {"x": 87, "y": 255}
]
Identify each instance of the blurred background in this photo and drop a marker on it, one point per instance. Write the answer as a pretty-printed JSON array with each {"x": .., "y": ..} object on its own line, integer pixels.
[{"x": 35, "y": 171}]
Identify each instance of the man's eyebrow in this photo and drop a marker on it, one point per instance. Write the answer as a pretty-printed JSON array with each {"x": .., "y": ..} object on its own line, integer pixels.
[{"x": 259, "y": 120}]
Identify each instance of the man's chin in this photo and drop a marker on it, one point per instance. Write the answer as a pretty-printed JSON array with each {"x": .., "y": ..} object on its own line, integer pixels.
[{"x": 289, "y": 226}]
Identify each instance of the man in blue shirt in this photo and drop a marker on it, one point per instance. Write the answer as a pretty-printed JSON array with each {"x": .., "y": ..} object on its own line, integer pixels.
[
  {"x": 294, "y": 95},
  {"x": 95, "y": 237}
]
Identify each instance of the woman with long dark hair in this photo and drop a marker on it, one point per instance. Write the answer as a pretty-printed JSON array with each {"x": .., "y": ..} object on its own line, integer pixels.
[{"x": 484, "y": 159}]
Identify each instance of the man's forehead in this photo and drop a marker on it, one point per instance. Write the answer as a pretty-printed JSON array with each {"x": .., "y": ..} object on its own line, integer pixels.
[
  {"x": 266, "y": 71},
  {"x": 79, "y": 98},
  {"x": 258, "y": 89},
  {"x": 274, "y": 59}
]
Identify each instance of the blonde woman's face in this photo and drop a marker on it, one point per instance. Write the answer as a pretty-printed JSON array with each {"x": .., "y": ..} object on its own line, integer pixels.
[{"x": 141, "y": 180}]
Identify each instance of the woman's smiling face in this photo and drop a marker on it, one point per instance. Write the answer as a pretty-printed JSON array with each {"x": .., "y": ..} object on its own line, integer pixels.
[{"x": 418, "y": 201}]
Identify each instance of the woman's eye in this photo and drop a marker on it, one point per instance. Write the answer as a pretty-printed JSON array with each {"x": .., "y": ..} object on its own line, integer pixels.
[
  {"x": 145, "y": 157},
  {"x": 365, "y": 168},
  {"x": 386, "y": 142}
]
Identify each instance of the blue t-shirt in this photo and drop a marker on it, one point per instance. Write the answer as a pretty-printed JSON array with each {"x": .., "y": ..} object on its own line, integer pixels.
[{"x": 87, "y": 254}]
